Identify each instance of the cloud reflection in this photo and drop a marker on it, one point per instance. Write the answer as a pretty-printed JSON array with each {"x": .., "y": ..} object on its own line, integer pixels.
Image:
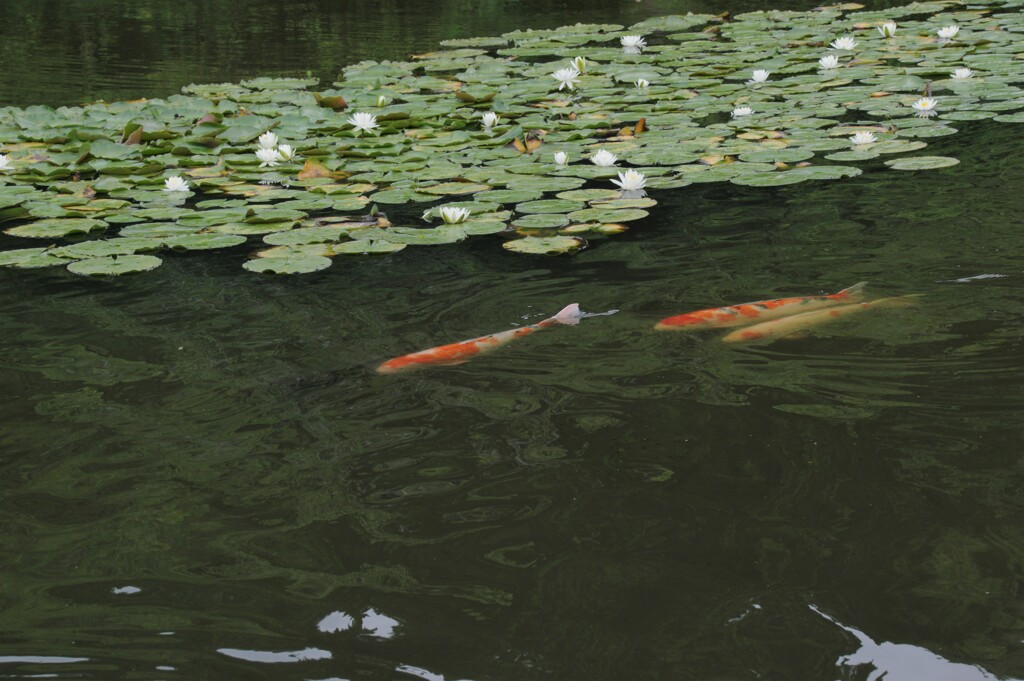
[{"x": 904, "y": 662}]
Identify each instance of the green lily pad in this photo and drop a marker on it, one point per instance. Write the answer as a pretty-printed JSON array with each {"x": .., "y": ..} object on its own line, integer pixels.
[
  {"x": 202, "y": 242},
  {"x": 288, "y": 264},
  {"x": 552, "y": 245},
  {"x": 100, "y": 248},
  {"x": 367, "y": 247},
  {"x": 55, "y": 228},
  {"x": 598, "y": 214},
  {"x": 922, "y": 162},
  {"x": 115, "y": 266}
]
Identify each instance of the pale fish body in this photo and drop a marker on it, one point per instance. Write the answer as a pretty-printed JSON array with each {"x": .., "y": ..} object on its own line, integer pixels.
[
  {"x": 758, "y": 311},
  {"x": 780, "y": 328},
  {"x": 463, "y": 351}
]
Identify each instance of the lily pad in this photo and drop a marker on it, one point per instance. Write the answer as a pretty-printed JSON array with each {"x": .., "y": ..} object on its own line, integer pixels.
[
  {"x": 288, "y": 264},
  {"x": 922, "y": 162},
  {"x": 203, "y": 242},
  {"x": 55, "y": 228},
  {"x": 115, "y": 266},
  {"x": 552, "y": 245}
]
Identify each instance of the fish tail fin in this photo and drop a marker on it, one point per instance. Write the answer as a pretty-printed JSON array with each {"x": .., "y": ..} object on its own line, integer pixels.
[
  {"x": 855, "y": 292},
  {"x": 570, "y": 314}
]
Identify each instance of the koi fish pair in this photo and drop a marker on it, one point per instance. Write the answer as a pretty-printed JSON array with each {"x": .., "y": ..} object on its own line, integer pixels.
[{"x": 767, "y": 319}]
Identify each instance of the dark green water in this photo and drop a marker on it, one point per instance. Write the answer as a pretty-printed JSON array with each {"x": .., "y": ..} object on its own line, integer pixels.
[{"x": 594, "y": 502}]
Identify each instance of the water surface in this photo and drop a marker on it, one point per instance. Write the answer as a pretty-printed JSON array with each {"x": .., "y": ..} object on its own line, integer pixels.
[{"x": 201, "y": 476}]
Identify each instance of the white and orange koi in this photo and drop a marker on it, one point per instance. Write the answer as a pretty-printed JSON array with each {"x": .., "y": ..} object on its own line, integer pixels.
[
  {"x": 457, "y": 353},
  {"x": 758, "y": 311},
  {"x": 781, "y": 328}
]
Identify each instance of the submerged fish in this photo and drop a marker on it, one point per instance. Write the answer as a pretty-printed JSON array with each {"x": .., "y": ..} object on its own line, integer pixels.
[
  {"x": 759, "y": 311},
  {"x": 780, "y": 328},
  {"x": 457, "y": 353}
]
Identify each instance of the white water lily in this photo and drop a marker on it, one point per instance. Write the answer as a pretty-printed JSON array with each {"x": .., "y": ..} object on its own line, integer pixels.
[
  {"x": 844, "y": 43},
  {"x": 452, "y": 215},
  {"x": 268, "y": 157},
  {"x": 742, "y": 111},
  {"x": 561, "y": 158},
  {"x": 490, "y": 119},
  {"x": 829, "y": 61},
  {"x": 633, "y": 42},
  {"x": 267, "y": 140},
  {"x": 888, "y": 29},
  {"x": 286, "y": 152},
  {"x": 580, "y": 63},
  {"x": 363, "y": 121},
  {"x": 962, "y": 73},
  {"x": 603, "y": 158},
  {"x": 948, "y": 32},
  {"x": 758, "y": 76},
  {"x": 566, "y": 77},
  {"x": 175, "y": 184},
  {"x": 382, "y": 100},
  {"x": 925, "y": 106},
  {"x": 863, "y": 138},
  {"x": 5, "y": 163},
  {"x": 630, "y": 180},
  {"x": 642, "y": 83}
]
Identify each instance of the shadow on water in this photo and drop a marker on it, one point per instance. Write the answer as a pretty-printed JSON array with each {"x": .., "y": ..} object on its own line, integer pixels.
[{"x": 201, "y": 475}]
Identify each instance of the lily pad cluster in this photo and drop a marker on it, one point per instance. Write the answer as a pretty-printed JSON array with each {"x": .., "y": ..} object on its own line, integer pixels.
[{"x": 484, "y": 125}]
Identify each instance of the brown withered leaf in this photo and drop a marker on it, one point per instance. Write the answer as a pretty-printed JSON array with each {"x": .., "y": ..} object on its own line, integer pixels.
[
  {"x": 134, "y": 137},
  {"x": 880, "y": 93},
  {"x": 641, "y": 126},
  {"x": 210, "y": 118},
  {"x": 312, "y": 169},
  {"x": 336, "y": 102}
]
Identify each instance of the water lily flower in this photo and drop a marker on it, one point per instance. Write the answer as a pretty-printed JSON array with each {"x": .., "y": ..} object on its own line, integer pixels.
[
  {"x": 829, "y": 61},
  {"x": 844, "y": 43},
  {"x": 948, "y": 32},
  {"x": 630, "y": 180},
  {"x": 633, "y": 42},
  {"x": 566, "y": 77},
  {"x": 561, "y": 158},
  {"x": 742, "y": 111},
  {"x": 452, "y": 215},
  {"x": 888, "y": 29},
  {"x": 175, "y": 184},
  {"x": 5, "y": 163},
  {"x": 642, "y": 83},
  {"x": 268, "y": 140},
  {"x": 962, "y": 73},
  {"x": 490, "y": 119},
  {"x": 268, "y": 157},
  {"x": 603, "y": 158},
  {"x": 863, "y": 138},
  {"x": 286, "y": 152},
  {"x": 758, "y": 76},
  {"x": 925, "y": 106},
  {"x": 580, "y": 63},
  {"x": 382, "y": 100},
  {"x": 363, "y": 121}
]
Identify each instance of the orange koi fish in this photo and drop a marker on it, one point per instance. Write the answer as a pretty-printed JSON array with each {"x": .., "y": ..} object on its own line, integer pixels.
[
  {"x": 780, "y": 328},
  {"x": 457, "y": 353},
  {"x": 759, "y": 311}
]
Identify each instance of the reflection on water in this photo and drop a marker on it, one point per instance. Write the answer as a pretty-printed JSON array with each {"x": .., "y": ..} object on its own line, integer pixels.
[{"x": 902, "y": 662}]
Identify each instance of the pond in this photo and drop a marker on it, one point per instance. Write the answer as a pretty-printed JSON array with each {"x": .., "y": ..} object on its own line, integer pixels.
[{"x": 202, "y": 475}]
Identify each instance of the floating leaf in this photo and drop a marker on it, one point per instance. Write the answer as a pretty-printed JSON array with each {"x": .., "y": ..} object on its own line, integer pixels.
[
  {"x": 553, "y": 245},
  {"x": 295, "y": 263},
  {"x": 57, "y": 227},
  {"x": 115, "y": 266},
  {"x": 922, "y": 162},
  {"x": 203, "y": 242}
]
